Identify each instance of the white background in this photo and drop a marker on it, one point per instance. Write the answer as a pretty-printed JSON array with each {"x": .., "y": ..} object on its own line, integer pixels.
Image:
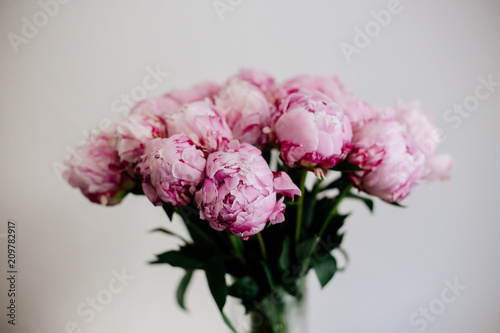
[{"x": 65, "y": 78}]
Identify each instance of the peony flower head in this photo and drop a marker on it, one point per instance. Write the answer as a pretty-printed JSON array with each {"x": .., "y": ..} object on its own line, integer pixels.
[
  {"x": 239, "y": 192},
  {"x": 391, "y": 161},
  {"x": 201, "y": 122},
  {"x": 246, "y": 110},
  {"x": 133, "y": 132},
  {"x": 197, "y": 93},
  {"x": 356, "y": 110},
  {"x": 260, "y": 79},
  {"x": 311, "y": 131},
  {"x": 160, "y": 107},
  {"x": 96, "y": 170},
  {"x": 171, "y": 169}
]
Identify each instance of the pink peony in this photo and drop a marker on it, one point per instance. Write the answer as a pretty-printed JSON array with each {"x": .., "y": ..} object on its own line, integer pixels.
[
  {"x": 96, "y": 169},
  {"x": 311, "y": 131},
  {"x": 246, "y": 110},
  {"x": 356, "y": 110},
  {"x": 171, "y": 169},
  {"x": 200, "y": 122},
  {"x": 425, "y": 136},
  {"x": 262, "y": 80},
  {"x": 392, "y": 163},
  {"x": 133, "y": 132},
  {"x": 239, "y": 191},
  {"x": 197, "y": 93},
  {"x": 160, "y": 107}
]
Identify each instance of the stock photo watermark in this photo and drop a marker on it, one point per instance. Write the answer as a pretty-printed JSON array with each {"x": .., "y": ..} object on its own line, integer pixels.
[
  {"x": 30, "y": 27},
  {"x": 221, "y": 7},
  {"x": 122, "y": 105},
  {"x": 11, "y": 271},
  {"x": 463, "y": 110},
  {"x": 372, "y": 29},
  {"x": 425, "y": 315},
  {"x": 89, "y": 309}
]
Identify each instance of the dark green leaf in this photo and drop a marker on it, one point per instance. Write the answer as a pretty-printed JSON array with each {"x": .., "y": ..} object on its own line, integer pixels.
[
  {"x": 216, "y": 278},
  {"x": 168, "y": 232},
  {"x": 395, "y": 203},
  {"x": 268, "y": 274},
  {"x": 346, "y": 167},
  {"x": 325, "y": 267},
  {"x": 305, "y": 249},
  {"x": 201, "y": 239},
  {"x": 181, "y": 290},
  {"x": 228, "y": 323},
  {"x": 245, "y": 288},
  {"x": 169, "y": 209},
  {"x": 367, "y": 201},
  {"x": 186, "y": 257},
  {"x": 284, "y": 259}
]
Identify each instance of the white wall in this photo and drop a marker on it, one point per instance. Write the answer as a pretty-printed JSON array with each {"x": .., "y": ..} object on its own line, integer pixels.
[{"x": 66, "y": 76}]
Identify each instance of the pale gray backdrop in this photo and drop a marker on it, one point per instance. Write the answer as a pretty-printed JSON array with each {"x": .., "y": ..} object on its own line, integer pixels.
[{"x": 65, "y": 67}]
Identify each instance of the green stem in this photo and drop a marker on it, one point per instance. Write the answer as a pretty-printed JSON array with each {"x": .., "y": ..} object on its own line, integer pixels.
[
  {"x": 300, "y": 205},
  {"x": 262, "y": 247},
  {"x": 317, "y": 186},
  {"x": 333, "y": 212},
  {"x": 237, "y": 248}
]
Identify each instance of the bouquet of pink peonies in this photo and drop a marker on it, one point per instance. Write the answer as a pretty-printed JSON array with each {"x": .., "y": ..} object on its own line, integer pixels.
[{"x": 232, "y": 161}]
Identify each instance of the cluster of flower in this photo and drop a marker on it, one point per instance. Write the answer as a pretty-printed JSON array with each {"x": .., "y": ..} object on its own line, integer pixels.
[{"x": 206, "y": 143}]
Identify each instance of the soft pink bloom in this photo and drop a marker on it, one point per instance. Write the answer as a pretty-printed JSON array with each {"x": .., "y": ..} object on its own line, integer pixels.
[
  {"x": 311, "y": 131},
  {"x": 197, "y": 93},
  {"x": 201, "y": 122},
  {"x": 419, "y": 126},
  {"x": 133, "y": 132},
  {"x": 96, "y": 170},
  {"x": 171, "y": 169},
  {"x": 260, "y": 79},
  {"x": 356, "y": 110},
  {"x": 160, "y": 107},
  {"x": 425, "y": 136},
  {"x": 239, "y": 191},
  {"x": 438, "y": 167},
  {"x": 392, "y": 163},
  {"x": 246, "y": 110}
]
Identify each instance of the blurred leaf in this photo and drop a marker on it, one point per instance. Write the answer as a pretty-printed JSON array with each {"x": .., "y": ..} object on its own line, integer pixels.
[
  {"x": 181, "y": 290},
  {"x": 395, "y": 203},
  {"x": 168, "y": 232},
  {"x": 305, "y": 249},
  {"x": 186, "y": 257},
  {"x": 268, "y": 274},
  {"x": 245, "y": 288},
  {"x": 169, "y": 209},
  {"x": 346, "y": 167},
  {"x": 367, "y": 201},
  {"x": 284, "y": 259},
  {"x": 201, "y": 239},
  {"x": 216, "y": 278},
  {"x": 325, "y": 267}
]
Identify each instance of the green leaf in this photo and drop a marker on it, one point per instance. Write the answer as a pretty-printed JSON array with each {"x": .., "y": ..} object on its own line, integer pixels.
[
  {"x": 367, "y": 201},
  {"x": 228, "y": 323},
  {"x": 395, "y": 203},
  {"x": 337, "y": 183},
  {"x": 305, "y": 249},
  {"x": 269, "y": 276},
  {"x": 284, "y": 259},
  {"x": 201, "y": 239},
  {"x": 168, "y": 232},
  {"x": 169, "y": 210},
  {"x": 181, "y": 290},
  {"x": 216, "y": 278},
  {"x": 245, "y": 288},
  {"x": 325, "y": 267},
  {"x": 186, "y": 257},
  {"x": 346, "y": 167}
]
